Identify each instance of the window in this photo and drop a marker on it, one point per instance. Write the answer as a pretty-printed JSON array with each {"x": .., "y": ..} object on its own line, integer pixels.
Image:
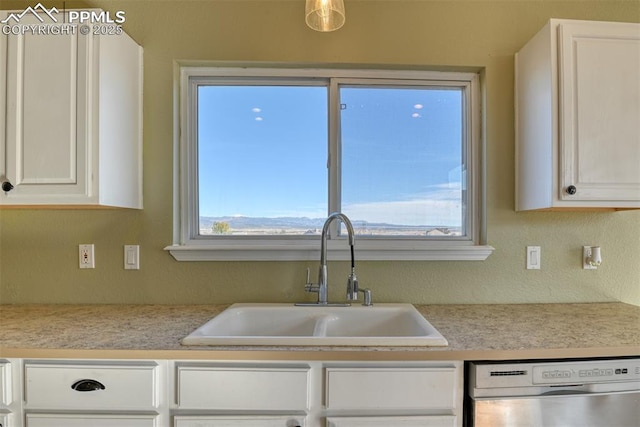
[{"x": 266, "y": 154}]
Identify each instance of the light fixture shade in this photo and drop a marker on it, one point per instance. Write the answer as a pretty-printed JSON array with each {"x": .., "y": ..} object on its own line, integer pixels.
[{"x": 324, "y": 15}]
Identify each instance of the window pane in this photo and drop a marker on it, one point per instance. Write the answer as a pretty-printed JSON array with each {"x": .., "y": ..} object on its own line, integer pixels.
[
  {"x": 262, "y": 154},
  {"x": 402, "y": 160}
]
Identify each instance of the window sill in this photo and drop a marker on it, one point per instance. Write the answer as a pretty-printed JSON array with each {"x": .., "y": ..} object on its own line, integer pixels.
[{"x": 311, "y": 252}]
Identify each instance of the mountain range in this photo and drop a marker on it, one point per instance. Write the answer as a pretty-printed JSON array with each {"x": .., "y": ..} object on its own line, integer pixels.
[{"x": 244, "y": 222}]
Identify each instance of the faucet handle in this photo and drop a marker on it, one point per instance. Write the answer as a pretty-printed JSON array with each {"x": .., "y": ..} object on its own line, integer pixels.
[
  {"x": 308, "y": 286},
  {"x": 312, "y": 287},
  {"x": 352, "y": 287}
]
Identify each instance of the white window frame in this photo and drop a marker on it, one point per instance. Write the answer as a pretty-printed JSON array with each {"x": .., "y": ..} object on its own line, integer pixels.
[{"x": 188, "y": 245}]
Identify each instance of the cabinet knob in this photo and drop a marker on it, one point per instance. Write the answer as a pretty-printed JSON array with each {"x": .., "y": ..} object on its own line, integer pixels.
[
  {"x": 6, "y": 186},
  {"x": 88, "y": 385},
  {"x": 571, "y": 190}
]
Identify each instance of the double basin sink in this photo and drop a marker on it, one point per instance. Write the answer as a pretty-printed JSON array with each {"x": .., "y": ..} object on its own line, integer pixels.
[{"x": 287, "y": 324}]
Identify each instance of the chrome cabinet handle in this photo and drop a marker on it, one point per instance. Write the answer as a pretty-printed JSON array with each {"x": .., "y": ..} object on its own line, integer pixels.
[
  {"x": 88, "y": 385},
  {"x": 571, "y": 190}
]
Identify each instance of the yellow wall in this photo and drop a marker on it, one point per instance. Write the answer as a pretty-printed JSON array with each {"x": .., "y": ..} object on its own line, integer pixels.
[{"x": 38, "y": 248}]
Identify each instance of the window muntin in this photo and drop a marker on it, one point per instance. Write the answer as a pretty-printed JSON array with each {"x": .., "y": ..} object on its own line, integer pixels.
[{"x": 189, "y": 245}]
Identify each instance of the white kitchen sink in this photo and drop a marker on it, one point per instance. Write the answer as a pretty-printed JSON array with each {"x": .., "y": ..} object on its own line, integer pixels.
[{"x": 287, "y": 324}]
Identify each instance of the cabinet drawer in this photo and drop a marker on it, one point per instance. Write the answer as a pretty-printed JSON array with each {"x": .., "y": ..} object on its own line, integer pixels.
[
  {"x": 240, "y": 421},
  {"x": 49, "y": 386},
  {"x": 243, "y": 387},
  {"x": 400, "y": 421},
  {"x": 391, "y": 388},
  {"x": 54, "y": 420},
  {"x": 4, "y": 383}
]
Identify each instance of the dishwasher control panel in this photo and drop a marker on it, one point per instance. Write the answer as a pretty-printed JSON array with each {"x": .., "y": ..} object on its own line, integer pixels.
[
  {"x": 586, "y": 372},
  {"x": 553, "y": 373}
]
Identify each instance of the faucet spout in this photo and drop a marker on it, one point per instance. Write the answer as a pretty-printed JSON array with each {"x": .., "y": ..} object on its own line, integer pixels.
[
  {"x": 322, "y": 286},
  {"x": 325, "y": 232}
]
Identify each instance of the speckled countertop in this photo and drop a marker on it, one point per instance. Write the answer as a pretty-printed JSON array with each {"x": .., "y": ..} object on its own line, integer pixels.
[{"x": 473, "y": 331}]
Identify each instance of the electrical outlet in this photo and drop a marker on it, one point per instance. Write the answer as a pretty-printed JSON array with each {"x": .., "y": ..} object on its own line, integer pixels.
[
  {"x": 591, "y": 260},
  {"x": 86, "y": 256}
]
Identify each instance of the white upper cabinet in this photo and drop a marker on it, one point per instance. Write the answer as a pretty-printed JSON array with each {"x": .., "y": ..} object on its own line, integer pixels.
[
  {"x": 578, "y": 117},
  {"x": 71, "y": 115}
]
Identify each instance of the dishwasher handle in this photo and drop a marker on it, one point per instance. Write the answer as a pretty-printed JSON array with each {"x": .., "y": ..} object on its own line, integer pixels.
[{"x": 567, "y": 392}]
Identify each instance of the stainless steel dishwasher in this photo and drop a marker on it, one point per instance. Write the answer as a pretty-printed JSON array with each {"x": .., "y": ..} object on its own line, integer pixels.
[{"x": 594, "y": 393}]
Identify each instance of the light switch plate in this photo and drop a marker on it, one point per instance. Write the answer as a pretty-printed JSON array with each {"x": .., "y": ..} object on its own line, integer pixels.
[
  {"x": 533, "y": 257},
  {"x": 132, "y": 257}
]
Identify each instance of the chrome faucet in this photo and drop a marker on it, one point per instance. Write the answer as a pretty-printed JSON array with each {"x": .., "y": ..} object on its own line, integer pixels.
[{"x": 321, "y": 288}]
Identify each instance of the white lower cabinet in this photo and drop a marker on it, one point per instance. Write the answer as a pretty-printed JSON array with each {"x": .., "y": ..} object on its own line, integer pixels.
[
  {"x": 403, "y": 394},
  {"x": 391, "y": 387},
  {"x": 9, "y": 383},
  {"x": 239, "y": 421},
  {"x": 276, "y": 394},
  {"x": 4, "y": 384},
  {"x": 318, "y": 394},
  {"x": 93, "y": 393},
  {"x": 55, "y": 420},
  {"x": 90, "y": 387},
  {"x": 225, "y": 393},
  {"x": 4, "y": 391},
  {"x": 251, "y": 387},
  {"x": 406, "y": 421}
]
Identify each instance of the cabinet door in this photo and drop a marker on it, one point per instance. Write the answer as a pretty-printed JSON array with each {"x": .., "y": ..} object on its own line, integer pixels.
[
  {"x": 3, "y": 421},
  {"x": 399, "y": 421},
  {"x": 5, "y": 386},
  {"x": 47, "y": 113},
  {"x": 599, "y": 111},
  {"x": 239, "y": 421},
  {"x": 87, "y": 420}
]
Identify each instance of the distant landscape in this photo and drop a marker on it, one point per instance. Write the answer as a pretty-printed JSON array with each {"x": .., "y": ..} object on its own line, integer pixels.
[{"x": 251, "y": 226}]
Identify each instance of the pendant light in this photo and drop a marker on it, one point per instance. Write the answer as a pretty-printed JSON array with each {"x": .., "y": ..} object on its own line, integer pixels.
[{"x": 324, "y": 15}]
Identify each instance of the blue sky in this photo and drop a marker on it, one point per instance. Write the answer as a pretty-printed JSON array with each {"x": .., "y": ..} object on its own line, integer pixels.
[
  {"x": 263, "y": 152},
  {"x": 247, "y": 135}
]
